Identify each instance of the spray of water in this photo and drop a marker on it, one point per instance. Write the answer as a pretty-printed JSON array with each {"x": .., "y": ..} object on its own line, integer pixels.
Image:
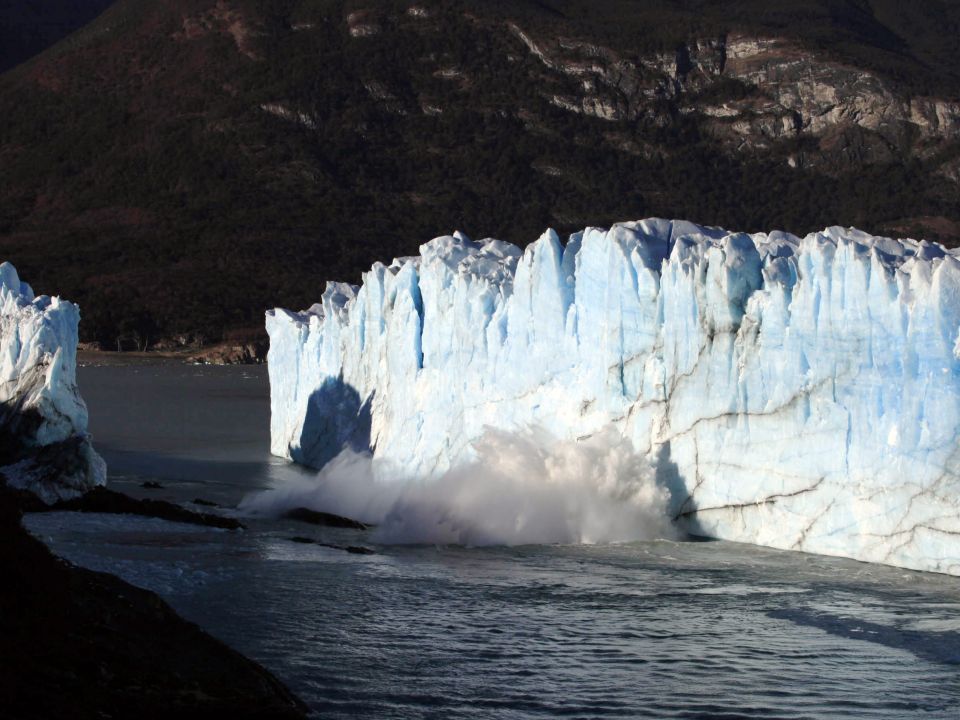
[{"x": 521, "y": 488}]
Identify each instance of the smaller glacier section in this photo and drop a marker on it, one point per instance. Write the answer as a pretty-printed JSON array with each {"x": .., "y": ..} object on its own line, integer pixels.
[
  {"x": 798, "y": 393},
  {"x": 44, "y": 446}
]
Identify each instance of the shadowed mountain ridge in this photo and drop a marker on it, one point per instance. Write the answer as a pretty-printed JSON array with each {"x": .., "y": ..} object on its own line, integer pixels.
[{"x": 179, "y": 167}]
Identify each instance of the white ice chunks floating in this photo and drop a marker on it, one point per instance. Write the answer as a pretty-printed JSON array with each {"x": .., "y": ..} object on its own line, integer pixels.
[
  {"x": 794, "y": 393},
  {"x": 44, "y": 446}
]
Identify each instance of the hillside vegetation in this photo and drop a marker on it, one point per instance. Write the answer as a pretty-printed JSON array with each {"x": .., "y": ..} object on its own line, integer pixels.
[{"x": 178, "y": 167}]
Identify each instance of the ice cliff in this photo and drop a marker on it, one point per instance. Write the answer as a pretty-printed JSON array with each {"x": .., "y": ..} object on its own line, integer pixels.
[
  {"x": 43, "y": 421},
  {"x": 794, "y": 393}
]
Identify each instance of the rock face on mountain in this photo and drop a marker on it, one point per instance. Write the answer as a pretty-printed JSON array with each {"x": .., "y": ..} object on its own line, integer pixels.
[
  {"x": 214, "y": 157},
  {"x": 43, "y": 420},
  {"x": 796, "y": 393},
  {"x": 753, "y": 92}
]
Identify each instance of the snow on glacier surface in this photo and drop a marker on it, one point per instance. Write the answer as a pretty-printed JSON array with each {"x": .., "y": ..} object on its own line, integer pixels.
[
  {"x": 40, "y": 405},
  {"x": 792, "y": 392}
]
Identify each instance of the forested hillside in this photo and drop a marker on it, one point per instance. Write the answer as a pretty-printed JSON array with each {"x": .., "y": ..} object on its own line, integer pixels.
[{"x": 178, "y": 167}]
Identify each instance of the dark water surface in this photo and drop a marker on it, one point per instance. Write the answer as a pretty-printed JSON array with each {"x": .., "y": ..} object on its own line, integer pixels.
[{"x": 653, "y": 629}]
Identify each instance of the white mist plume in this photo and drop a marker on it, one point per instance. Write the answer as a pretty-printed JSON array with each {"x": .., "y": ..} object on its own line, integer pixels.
[{"x": 520, "y": 489}]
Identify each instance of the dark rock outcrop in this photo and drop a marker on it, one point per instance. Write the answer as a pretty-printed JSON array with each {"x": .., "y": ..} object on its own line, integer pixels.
[
  {"x": 316, "y": 517},
  {"x": 83, "y": 644},
  {"x": 102, "y": 500},
  {"x": 353, "y": 549}
]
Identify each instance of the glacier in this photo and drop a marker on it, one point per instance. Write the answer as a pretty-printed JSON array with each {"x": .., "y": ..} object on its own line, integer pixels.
[
  {"x": 45, "y": 447},
  {"x": 797, "y": 393}
]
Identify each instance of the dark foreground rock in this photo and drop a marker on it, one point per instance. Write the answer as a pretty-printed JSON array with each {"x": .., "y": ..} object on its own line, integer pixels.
[
  {"x": 83, "y": 644},
  {"x": 315, "y": 517}
]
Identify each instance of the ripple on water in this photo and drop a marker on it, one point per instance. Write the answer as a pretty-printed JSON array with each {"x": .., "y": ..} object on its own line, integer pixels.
[{"x": 651, "y": 630}]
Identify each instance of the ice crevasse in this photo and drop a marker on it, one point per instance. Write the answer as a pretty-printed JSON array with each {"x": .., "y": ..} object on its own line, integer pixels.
[
  {"x": 792, "y": 392},
  {"x": 44, "y": 445}
]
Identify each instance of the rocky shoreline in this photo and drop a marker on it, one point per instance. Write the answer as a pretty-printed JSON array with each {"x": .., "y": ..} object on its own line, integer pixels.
[
  {"x": 84, "y": 644},
  {"x": 253, "y": 353}
]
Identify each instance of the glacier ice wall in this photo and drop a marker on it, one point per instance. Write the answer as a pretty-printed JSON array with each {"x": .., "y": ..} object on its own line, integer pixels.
[
  {"x": 794, "y": 393},
  {"x": 44, "y": 445}
]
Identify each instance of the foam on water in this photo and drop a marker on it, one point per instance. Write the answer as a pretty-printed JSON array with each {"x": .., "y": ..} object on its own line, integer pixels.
[{"x": 521, "y": 488}]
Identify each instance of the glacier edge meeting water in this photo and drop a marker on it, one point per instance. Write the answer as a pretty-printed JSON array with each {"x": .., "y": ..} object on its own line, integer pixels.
[
  {"x": 44, "y": 444},
  {"x": 794, "y": 393}
]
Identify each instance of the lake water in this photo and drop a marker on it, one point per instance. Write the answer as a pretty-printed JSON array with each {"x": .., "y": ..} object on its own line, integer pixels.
[{"x": 649, "y": 629}]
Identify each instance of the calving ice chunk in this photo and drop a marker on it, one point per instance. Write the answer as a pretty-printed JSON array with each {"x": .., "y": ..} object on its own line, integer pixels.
[
  {"x": 44, "y": 445},
  {"x": 795, "y": 393}
]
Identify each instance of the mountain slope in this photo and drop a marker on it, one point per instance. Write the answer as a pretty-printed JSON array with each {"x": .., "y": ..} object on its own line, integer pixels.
[{"x": 179, "y": 167}]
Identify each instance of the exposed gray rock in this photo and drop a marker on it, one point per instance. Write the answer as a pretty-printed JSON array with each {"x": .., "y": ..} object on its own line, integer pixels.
[{"x": 775, "y": 91}]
